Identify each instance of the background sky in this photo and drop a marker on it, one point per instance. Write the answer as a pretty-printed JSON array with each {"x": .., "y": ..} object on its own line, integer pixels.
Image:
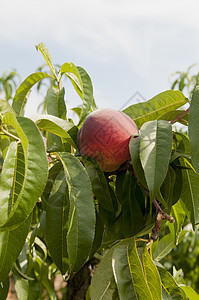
[{"x": 126, "y": 46}]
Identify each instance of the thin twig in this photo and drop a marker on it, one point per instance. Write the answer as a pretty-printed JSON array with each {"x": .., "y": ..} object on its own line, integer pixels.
[{"x": 180, "y": 116}]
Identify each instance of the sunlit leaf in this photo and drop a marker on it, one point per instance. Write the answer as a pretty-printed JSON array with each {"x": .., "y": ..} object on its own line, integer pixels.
[
  {"x": 30, "y": 174},
  {"x": 55, "y": 103},
  {"x": 152, "y": 275},
  {"x": 155, "y": 107},
  {"x": 140, "y": 285},
  {"x": 57, "y": 126},
  {"x": 82, "y": 84},
  {"x": 44, "y": 51},
  {"x": 19, "y": 99}
]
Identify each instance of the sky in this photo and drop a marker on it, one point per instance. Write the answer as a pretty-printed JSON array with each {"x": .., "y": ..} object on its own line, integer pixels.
[{"x": 126, "y": 46}]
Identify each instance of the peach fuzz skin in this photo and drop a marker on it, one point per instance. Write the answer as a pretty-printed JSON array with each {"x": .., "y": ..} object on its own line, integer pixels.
[{"x": 105, "y": 136}]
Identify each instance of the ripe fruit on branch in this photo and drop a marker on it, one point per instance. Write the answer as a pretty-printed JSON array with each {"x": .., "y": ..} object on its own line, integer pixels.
[{"x": 105, "y": 135}]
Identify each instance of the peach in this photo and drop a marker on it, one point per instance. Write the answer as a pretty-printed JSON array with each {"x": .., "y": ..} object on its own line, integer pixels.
[{"x": 105, "y": 136}]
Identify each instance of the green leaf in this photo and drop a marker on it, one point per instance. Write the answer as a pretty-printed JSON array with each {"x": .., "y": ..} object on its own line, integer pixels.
[
  {"x": 30, "y": 173},
  {"x": 122, "y": 273},
  {"x": 178, "y": 213},
  {"x": 82, "y": 84},
  {"x": 182, "y": 146},
  {"x": 55, "y": 103},
  {"x": 19, "y": 99},
  {"x": 152, "y": 275},
  {"x": 155, "y": 107},
  {"x": 11, "y": 244},
  {"x": 190, "y": 192},
  {"x": 98, "y": 182},
  {"x": 189, "y": 292},
  {"x": 140, "y": 285},
  {"x": 102, "y": 281},
  {"x": 164, "y": 247},
  {"x": 81, "y": 228},
  {"x": 99, "y": 230},
  {"x": 44, "y": 51},
  {"x": 175, "y": 115},
  {"x": 27, "y": 290},
  {"x": 170, "y": 285},
  {"x": 4, "y": 288},
  {"x": 194, "y": 129},
  {"x": 66, "y": 130},
  {"x": 57, "y": 210},
  {"x": 134, "y": 148},
  {"x": 5, "y": 108},
  {"x": 155, "y": 152},
  {"x": 132, "y": 217}
]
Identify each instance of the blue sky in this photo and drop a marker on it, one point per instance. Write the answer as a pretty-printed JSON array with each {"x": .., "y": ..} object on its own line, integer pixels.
[{"x": 126, "y": 46}]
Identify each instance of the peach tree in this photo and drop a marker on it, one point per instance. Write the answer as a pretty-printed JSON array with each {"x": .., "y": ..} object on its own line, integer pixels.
[{"x": 60, "y": 212}]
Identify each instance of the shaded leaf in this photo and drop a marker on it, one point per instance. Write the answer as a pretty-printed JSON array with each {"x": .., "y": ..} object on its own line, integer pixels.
[
  {"x": 8, "y": 252},
  {"x": 155, "y": 107},
  {"x": 101, "y": 283},
  {"x": 155, "y": 152},
  {"x": 194, "y": 129},
  {"x": 98, "y": 181},
  {"x": 122, "y": 273},
  {"x": 190, "y": 192},
  {"x": 81, "y": 228},
  {"x": 4, "y": 288},
  {"x": 57, "y": 209}
]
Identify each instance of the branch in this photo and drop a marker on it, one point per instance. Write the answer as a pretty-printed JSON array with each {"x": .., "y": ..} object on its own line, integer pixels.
[{"x": 180, "y": 116}]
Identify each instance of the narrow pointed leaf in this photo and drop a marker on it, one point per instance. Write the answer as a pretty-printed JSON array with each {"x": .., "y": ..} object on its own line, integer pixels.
[
  {"x": 98, "y": 182},
  {"x": 132, "y": 217},
  {"x": 194, "y": 129},
  {"x": 122, "y": 273},
  {"x": 164, "y": 247},
  {"x": 101, "y": 283},
  {"x": 57, "y": 209},
  {"x": 5, "y": 108},
  {"x": 11, "y": 244},
  {"x": 134, "y": 147},
  {"x": 81, "y": 228},
  {"x": 155, "y": 152},
  {"x": 4, "y": 288},
  {"x": 62, "y": 128},
  {"x": 178, "y": 213},
  {"x": 140, "y": 285},
  {"x": 32, "y": 166},
  {"x": 82, "y": 84},
  {"x": 155, "y": 107},
  {"x": 19, "y": 99},
  {"x": 152, "y": 275},
  {"x": 190, "y": 293},
  {"x": 190, "y": 192},
  {"x": 44, "y": 51},
  {"x": 170, "y": 285},
  {"x": 55, "y": 103}
]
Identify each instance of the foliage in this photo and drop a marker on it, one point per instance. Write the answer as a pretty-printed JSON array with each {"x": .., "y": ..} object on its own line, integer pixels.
[{"x": 60, "y": 211}]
